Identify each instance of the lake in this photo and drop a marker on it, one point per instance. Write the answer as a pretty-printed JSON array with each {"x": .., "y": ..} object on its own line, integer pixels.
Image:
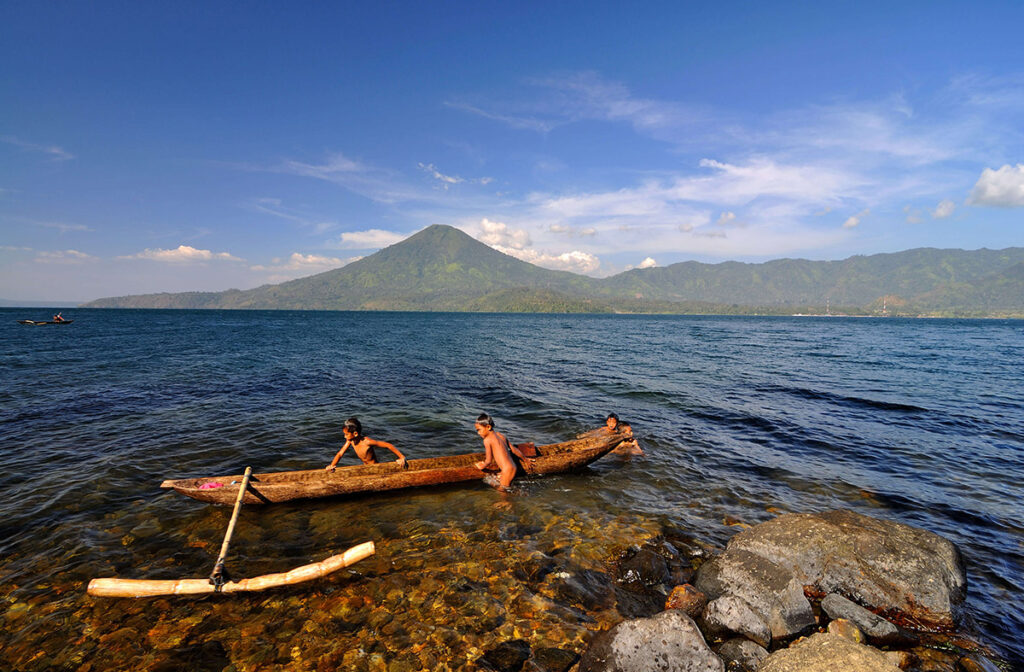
[{"x": 741, "y": 418}]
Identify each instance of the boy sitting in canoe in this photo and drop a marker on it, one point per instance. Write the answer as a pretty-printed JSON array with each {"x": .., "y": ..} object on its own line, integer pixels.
[
  {"x": 498, "y": 450},
  {"x": 363, "y": 445}
]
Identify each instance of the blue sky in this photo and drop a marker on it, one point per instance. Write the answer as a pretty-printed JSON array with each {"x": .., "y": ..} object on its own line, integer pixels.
[{"x": 150, "y": 147}]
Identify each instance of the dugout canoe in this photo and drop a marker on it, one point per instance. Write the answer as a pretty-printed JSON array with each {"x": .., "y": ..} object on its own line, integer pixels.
[
  {"x": 39, "y": 323},
  {"x": 284, "y": 486}
]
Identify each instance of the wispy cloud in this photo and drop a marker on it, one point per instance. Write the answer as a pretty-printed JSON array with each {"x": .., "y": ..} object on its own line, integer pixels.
[
  {"x": 54, "y": 152},
  {"x": 63, "y": 256},
  {"x": 275, "y": 208},
  {"x": 182, "y": 254},
  {"x": 64, "y": 227},
  {"x": 449, "y": 180}
]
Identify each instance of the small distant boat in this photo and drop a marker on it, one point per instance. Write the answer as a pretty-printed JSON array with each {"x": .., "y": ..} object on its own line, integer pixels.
[
  {"x": 283, "y": 486},
  {"x": 39, "y": 323}
]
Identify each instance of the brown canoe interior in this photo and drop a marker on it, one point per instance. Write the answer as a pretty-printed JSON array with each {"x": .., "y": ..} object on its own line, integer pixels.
[{"x": 286, "y": 485}]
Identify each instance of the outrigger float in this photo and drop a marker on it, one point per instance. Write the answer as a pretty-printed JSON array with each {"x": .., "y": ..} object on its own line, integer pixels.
[{"x": 219, "y": 582}]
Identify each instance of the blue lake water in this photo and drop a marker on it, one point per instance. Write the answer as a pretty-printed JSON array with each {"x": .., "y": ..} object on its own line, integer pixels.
[{"x": 919, "y": 421}]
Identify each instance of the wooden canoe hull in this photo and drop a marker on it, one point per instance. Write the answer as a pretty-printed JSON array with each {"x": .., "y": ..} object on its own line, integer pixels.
[
  {"x": 35, "y": 323},
  {"x": 283, "y": 486}
]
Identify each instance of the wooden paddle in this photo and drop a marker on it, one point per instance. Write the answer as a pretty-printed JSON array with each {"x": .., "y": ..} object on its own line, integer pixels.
[{"x": 218, "y": 577}]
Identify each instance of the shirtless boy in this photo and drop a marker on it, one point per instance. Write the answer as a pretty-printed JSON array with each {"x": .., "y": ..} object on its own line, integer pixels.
[
  {"x": 497, "y": 450},
  {"x": 363, "y": 445}
]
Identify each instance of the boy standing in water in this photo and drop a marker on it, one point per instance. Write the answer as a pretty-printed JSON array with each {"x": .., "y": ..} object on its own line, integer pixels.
[
  {"x": 363, "y": 445},
  {"x": 498, "y": 450}
]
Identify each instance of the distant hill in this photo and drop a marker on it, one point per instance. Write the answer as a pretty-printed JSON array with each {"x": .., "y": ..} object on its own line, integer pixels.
[{"x": 443, "y": 269}]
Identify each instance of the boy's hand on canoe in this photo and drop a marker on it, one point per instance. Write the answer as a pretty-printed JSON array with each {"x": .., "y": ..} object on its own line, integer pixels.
[
  {"x": 329, "y": 468},
  {"x": 401, "y": 462}
]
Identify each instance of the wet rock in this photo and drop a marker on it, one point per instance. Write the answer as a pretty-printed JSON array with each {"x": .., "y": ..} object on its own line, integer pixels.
[
  {"x": 550, "y": 659},
  {"x": 877, "y": 629},
  {"x": 668, "y": 642},
  {"x": 823, "y": 652},
  {"x": 884, "y": 565},
  {"x": 847, "y": 630},
  {"x": 772, "y": 591},
  {"x": 587, "y": 588},
  {"x": 687, "y": 599},
  {"x": 637, "y": 603},
  {"x": 900, "y": 659},
  {"x": 644, "y": 568},
  {"x": 506, "y": 657},
  {"x": 732, "y": 614},
  {"x": 977, "y": 663},
  {"x": 928, "y": 659},
  {"x": 742, "y": 655}
]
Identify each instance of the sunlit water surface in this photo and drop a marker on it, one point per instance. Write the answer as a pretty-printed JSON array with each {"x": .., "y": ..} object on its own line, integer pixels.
[{"x": 918, "y": 421}]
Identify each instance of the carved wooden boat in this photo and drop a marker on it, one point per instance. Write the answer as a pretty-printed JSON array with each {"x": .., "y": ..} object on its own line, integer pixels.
[
  {"x": 38, "y": 323},
  {"x": 283, "y": 486}
]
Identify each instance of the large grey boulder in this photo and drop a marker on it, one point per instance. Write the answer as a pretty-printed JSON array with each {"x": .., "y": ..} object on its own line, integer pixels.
[
  {"x": 771, "y": 590},
  {"x": 887, "y": 566},
  {"x": 668, "y": 642},
  {"x": 824, "y": 652}
]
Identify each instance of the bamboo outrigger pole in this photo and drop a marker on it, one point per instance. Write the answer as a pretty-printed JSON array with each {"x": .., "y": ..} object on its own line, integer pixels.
[{"x": 219, "y": 582}]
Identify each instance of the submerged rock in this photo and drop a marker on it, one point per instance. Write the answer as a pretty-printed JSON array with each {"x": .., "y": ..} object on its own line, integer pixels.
[
  {"x": 668, "y": 642},
  {"x": 506, "y": 657},
  {"x": 827, "y": 653}
]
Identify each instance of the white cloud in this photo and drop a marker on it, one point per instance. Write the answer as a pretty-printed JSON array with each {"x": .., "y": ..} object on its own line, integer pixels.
[
  {"x": 371, "y": 239},
  {"x": 498, "y": 234},
  {"x": 305, "y": 263},
  {"x": 182, "y": 254},
  {"x": 649, "y": 262},
  {"x": 572, "y": 231},
  {"x": 854, "y": 220},
  {"x": 944, "y": 209},
  {"x": 64, "y": 256},
  {"x": 726, "y": 219},
  {"x": 576, "y": 261},
  {"x": 299, "y": 266},
  {"x": 1002, "y": 188}
]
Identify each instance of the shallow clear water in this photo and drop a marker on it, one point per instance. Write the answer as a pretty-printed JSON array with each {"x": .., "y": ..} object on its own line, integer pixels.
[{"x": 920, "y": 421}]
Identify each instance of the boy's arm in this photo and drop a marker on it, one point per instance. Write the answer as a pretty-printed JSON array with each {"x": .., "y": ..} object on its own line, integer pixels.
[
  {"x": 487, "y": 454},
  {"x": 385, "y": 444},
  {"x": 330, "y": 467}
]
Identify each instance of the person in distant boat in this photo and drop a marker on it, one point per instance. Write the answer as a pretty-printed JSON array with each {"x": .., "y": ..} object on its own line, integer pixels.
[
  {"x": 58, "y": 318},
  {"x": 497, "y": 450},
  {"x": 363, "y": 445},
  {"x": 629, "y": 445}
]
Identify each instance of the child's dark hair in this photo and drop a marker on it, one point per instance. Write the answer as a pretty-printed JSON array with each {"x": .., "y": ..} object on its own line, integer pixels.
[
  {"x": 486, "y": 420},
  {"x": 353, "y": 425}
]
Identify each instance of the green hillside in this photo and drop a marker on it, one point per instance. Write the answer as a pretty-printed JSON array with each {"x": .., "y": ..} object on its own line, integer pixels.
[{"x": 442, "y": 268}]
